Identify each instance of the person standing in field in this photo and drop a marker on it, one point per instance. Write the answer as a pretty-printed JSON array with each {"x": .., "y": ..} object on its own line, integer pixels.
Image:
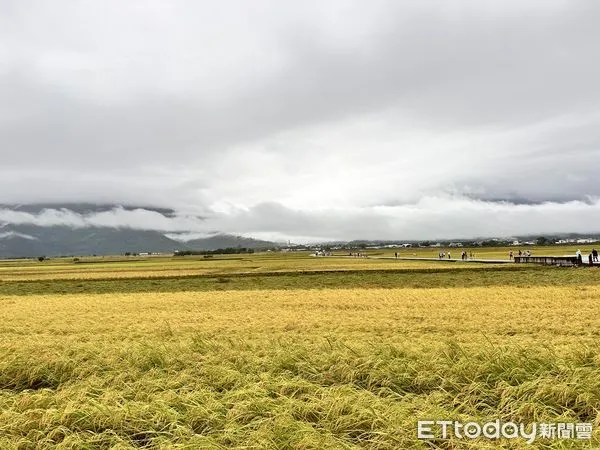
[
  {"x": 591, "y": 259},
  {"x": 448, "y": 255},
  {"x": 595, "y": 255}
]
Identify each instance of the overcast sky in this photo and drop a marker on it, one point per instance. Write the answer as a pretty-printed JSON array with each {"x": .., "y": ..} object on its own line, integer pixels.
[{"x": 305, "y": 120}]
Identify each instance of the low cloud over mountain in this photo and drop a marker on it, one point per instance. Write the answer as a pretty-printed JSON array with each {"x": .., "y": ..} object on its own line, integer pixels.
[
  {"x": 429, "y": 218},
  {"x": 82, "y": 229}
]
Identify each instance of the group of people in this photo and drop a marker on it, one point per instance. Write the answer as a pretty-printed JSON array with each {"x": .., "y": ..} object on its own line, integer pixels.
[
  {"x": 592, "y": 257},
  {"x": 357, "y": 255},
  {"x": 520, "y": 253},
  {"x": 464, "y": 255}
]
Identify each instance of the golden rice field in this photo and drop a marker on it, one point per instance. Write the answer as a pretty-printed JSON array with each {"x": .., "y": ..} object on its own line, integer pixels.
[
  {"x": 101, "y": 268},
  {"x": 350, "y": 356}
]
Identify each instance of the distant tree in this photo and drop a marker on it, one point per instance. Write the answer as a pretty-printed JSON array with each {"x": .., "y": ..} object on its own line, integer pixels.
[
  {"x": 492, "y": 243},
  {"x": 542, "y": 240},
  {"x": 41, "y": 258},
  {"x": 127, "y": 253}
]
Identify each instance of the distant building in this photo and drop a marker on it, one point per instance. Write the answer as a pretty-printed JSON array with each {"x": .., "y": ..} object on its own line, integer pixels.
[{"x": 585, "y": 241}]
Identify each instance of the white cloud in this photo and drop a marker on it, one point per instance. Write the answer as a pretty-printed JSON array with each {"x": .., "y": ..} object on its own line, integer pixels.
[
  {"x": 14, "y": 234},
  {"x": 189, "y": 236}
]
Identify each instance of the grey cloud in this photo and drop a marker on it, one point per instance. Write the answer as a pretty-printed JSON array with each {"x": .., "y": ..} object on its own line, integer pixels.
[
  {"x": 332, "y": 109},
  {"x": 463, "y": 68}
]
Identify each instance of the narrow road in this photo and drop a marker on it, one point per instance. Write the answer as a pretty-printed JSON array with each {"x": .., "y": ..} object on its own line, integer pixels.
[{"x": 472, "y": 260}]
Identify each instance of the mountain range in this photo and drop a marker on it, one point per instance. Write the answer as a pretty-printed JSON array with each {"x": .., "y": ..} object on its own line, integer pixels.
[{"x": 34, "y": 239}]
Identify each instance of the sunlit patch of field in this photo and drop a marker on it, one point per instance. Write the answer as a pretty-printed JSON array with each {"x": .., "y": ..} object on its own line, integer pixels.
[{"x": 300, "y": 368}]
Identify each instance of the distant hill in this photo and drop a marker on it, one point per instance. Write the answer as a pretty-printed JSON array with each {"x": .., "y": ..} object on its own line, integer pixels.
[
  {"x": 26, "y": 240},
  {"x": 31, "y": 241}
]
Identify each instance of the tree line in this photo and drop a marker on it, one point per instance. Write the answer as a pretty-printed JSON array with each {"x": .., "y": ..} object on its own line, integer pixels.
[{"x": 219, "y": 251}]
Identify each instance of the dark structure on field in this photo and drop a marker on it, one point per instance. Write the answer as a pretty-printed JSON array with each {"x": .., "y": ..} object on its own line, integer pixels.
[{"x": 549, "y": 260}]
